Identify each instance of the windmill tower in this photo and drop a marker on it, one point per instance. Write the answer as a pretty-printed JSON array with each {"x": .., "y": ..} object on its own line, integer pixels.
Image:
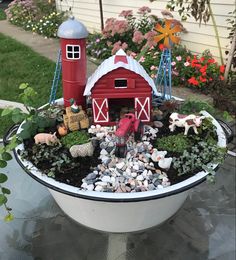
[{"x": 163, "y": 79}]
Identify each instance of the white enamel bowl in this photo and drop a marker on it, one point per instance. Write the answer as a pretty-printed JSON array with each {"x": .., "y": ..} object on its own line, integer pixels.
[{"x": 119, "y": 212}]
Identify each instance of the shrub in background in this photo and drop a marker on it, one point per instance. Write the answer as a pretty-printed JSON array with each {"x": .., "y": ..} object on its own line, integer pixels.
[{"x": 35, "y": 15}]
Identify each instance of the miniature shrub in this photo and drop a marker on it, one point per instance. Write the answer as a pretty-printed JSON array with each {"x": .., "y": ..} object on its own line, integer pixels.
[
  {"x": 76, "y": 137},
  {"x": 195, "y": 106},
  {"x": 198, "y": 157},
  {"x": 173, "y": 143}
]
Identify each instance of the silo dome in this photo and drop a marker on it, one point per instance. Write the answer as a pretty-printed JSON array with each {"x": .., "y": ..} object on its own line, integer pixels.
[{"x": 72, "y": 29}]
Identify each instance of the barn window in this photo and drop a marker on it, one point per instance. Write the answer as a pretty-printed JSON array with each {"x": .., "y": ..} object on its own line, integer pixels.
[
  {"x": 73, "y": 52},
  {"x": 121, "y": 83}
]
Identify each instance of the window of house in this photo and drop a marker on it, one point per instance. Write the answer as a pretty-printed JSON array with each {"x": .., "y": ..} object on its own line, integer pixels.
[
  {"x": 121, "y": 83},
  {"x": 72, "y": 52}
]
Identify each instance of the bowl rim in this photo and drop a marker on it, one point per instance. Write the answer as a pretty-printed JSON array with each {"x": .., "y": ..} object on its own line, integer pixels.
[{"x": 73, "y": 191}]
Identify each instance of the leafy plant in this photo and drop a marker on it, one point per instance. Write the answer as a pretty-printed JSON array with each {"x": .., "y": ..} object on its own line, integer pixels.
[
  {"x": 76, "y": 137},
  {"x": 193, "y": 106},
  {"x": 5, "y": 156},
  {"x": 173, "y": 143},
  {"x": 198, "y": 157}
]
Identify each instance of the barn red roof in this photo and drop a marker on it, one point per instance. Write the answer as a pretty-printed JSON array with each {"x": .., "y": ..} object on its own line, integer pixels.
[{"x": 114, "y": 62}]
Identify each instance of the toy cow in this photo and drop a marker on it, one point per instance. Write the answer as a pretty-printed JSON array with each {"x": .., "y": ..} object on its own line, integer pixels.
[
  {"x": 185, "y": 121},
  {"x": 44, "y": 138}
]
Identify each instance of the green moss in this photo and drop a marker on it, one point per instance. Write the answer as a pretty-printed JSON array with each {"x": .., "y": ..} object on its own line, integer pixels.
[
  {"x": 173, "y": 143},
  {"x": 77, "y": 137}
]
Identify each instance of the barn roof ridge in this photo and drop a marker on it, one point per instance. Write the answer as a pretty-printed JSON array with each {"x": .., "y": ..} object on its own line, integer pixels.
[{"x": 109, "y": 65}]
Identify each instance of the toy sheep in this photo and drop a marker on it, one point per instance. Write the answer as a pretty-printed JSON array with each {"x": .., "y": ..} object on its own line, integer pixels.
[
  {"x": 44, "y": 138},
  {"x": 185, "y": 121},
  {"x": 82, "y": 150}
]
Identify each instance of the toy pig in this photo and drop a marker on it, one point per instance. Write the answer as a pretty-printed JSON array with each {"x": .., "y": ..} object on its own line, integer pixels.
[{"x": 43, "y": 138}]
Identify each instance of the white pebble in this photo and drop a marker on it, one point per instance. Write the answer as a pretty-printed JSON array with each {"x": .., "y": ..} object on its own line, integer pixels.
[
  {"x": 106, "y": 179},
  {"x": 90, "y": 187},
  {"x": 140, "y": 178},
  {"x": 120, "y": 165}
]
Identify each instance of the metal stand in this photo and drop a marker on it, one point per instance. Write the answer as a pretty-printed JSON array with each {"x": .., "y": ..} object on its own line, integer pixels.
[
  {"x": 56, "y": 79},
  {"x": 163, "y": 79}
]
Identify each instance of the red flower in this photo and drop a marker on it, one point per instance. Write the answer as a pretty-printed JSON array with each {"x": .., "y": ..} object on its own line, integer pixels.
[
  {"x": 202, "y": 79},
  {"x": 204, "y": 73},
  {"x": 211, "y": 61},
  {"x": 221, "y": 77},
  {"x": 222, "y": 68},
  {"x": 202, "y": 59},
  {"x": 193, "y": 81},
  {"x": 203, "y": 69},
  {"x": 210, "y": 79},
  {"x": 161, "y": 46}
]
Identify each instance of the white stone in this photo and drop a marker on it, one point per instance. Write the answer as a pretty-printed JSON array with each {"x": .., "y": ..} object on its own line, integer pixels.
[
  {"x": 128, "y": 171},
  {"x": 98, "y": 188},
  {"x": 90, "y": 187},
  {"x": 100, "y": 135},
  {"x": 113, "y": 179},
  {"x": 134, "y": 174},
  {"x": 103, "y": 152},
  {"x": 145, "y": 172},
  {"x": 84, "y": 185},
  {"x": 159, "y": 186},
  {"x": 136, "y": 167},
  {"x": 140, "y": 178},
  {"x": 101, "y": 183},
  {"x": 106, "y": 179},
  {"x": 145, "y": 183},
  {"x": 120, "y": 165}
]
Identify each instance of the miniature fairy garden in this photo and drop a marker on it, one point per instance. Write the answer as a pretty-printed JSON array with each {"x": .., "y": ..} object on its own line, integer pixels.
[{"x": 128, "y": 156}]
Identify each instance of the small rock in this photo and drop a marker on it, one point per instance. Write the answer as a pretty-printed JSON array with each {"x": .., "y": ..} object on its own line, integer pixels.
[
  {"x": 103, "y": 152},
  {"x": 84, "y": 185},
  {"x": 151, "y": 186},
  {"x": 145, "y": 183},
  {"x": 98, "y": 188},
  {"x": 106, "y": 179},
  {"x": 134, "y": 174},
  {"x": 136, "y": 167},
  {"x": 91, "y": 176},
  {"x": 101, "y": 183},
  {"x": 140, "y": 178},
  {"x": 159, "y": 186},
  {"x": 158, "y": 124},
  {"x": 120, "y": 165},
  {"x": 90, "y": 187}
]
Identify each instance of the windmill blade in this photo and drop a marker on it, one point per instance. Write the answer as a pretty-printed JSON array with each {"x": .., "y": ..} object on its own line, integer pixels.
[
  {"x": 168, "y": 24},
  {"x": 166, "y": 42},
  {"x": 174, "y": 39},
  {"x": 159, "y": 28},
  {"x": 175, "y": 29},
  {"x": 159, "y": 37}
]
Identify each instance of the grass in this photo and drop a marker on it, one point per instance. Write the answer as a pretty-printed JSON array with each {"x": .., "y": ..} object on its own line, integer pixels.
[
  {"x": 18, "y": 64},
  {"x": 6, "y": 123},
  {"x": 2, "y": 15}
]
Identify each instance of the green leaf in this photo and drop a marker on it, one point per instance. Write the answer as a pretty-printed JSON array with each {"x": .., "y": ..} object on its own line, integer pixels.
[
  {"x": 6, "y": 156},
  {"x": 23, "y": 85},
  {"x": 3, "y": 164},
  {"x": 6, "y": 191},
  {"x": 6, "y": 111},
  {"x": 3, "y": 178},
  {"x": 3, "y": 199},
  {"x": 9, "y": 217}
]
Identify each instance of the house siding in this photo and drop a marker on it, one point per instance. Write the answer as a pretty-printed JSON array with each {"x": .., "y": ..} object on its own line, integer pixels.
[{"x": 198, "y": 38}]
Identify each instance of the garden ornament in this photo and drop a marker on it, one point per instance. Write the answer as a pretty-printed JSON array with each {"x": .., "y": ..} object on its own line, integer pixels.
[
  {"x": 158, "y": 155},
  {"x": 82, "y": 150},
  {"x": 74, "y": 107},
  {"x": 62, "y": 130},
  {"x": 166, "y": 33},
  {"x": 186, "y": 121},
  {"x": 44, "y": 138}
]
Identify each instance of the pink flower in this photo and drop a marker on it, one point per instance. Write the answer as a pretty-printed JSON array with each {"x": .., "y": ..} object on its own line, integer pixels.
[
  {"x": 124, "y": 45},
  {"x": 144, "y": 10},
  {"x": 178, "y": 58},
  {"x": 186, "y": 64},
  {"x": 131, "y": 54},
  {"x": 153, "y": 67},
  {"x": 174, "y": 72},
  {"x": 116, "y": 47},
  {"x": 142, "y": 59},
  {"x": 166, "y": 14},
  {"x": 97, "y": 40},
  {"x": 149, "y": 36},
  {"x": 138, "y": 37},
  {"x": 173, "y": 63},
  {"x": 126, "y": 13}
]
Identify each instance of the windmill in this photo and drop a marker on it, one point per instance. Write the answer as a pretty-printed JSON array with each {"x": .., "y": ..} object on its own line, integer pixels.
[{"x": 167, "y": 34}]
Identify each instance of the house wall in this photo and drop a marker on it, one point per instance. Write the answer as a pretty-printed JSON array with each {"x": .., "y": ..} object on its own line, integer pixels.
[{"x": 197, "y": 39}]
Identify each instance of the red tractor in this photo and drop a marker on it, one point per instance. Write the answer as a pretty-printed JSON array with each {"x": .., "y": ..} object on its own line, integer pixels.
[{"x": 126, "y": 126}]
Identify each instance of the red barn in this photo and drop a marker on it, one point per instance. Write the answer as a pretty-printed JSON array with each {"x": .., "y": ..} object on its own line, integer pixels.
[
  {"x": 120, "y": 81},
  {"x": 73, "y": 35}
]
